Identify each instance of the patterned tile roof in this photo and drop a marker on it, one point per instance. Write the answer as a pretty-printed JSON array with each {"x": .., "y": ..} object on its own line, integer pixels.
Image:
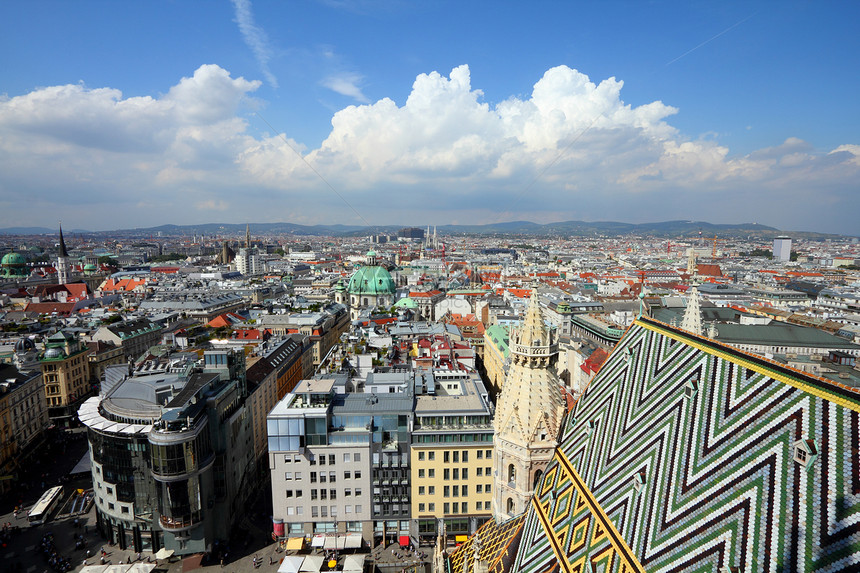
[{"x": 685, "y": 454}]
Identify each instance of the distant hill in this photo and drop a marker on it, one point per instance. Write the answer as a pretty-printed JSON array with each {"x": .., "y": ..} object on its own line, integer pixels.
[{"x": 673, "y": 229}]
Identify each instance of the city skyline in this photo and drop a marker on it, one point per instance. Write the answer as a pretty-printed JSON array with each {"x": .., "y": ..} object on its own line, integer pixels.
[{"x": 367, "y": 112}]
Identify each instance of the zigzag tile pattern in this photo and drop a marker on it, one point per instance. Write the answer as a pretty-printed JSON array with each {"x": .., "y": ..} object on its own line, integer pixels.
[
  {"x": 687, "y": 447},
  {"x": 498, "y": 546}
]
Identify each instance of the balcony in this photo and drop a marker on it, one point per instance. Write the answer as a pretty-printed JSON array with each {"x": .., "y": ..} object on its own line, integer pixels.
[{"x": 176, "y": 523}]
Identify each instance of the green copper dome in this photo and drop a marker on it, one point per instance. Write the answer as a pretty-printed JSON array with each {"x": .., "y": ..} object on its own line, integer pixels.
[
  {"x": 12, "y": 259},
  {"x": 371, "y": 280},
  {"x": 13, "y": 265}
]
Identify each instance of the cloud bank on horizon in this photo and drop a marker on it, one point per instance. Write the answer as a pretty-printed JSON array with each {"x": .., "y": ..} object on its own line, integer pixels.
[{"x": 571, "y": 149}]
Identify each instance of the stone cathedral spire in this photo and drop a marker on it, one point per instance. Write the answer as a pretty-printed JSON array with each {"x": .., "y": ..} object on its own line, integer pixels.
[
  {"x": 528, "y": 414},
  {"x": 62, "y": 261}
]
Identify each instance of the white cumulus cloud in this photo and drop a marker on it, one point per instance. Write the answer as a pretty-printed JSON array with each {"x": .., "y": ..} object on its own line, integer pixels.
[{"x": 571, "y": 149}]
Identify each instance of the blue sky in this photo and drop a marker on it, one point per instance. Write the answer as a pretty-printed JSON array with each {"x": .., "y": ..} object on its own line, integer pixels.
[{"x": 122, "y": 114}]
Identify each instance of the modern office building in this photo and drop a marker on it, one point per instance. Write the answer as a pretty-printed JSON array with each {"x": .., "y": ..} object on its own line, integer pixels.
[
  {"x": 172, "y": 458},
  {"x": 782, "y": 249}
]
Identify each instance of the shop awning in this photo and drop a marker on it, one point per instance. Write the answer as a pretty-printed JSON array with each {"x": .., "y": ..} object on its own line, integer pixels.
[
  {"x": 353, "y": 541},
  {"x": 291, "y": 564},
  {"x": 312, "y": 564},
  {"x": 353, "y": 564},
  {"x": 335, "y": 541},
  {"x": 295, "y": 543},
  {"x": 404, "y": 540},
  {"x": 318, "y": 541}
]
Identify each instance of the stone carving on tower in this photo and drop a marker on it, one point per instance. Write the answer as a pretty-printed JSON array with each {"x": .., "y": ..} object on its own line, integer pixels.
[{"x": 528, "y": 414}]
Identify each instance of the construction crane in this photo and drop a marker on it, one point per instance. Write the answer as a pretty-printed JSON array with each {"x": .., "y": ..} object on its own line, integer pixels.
[{"x": 714, "y": 248}]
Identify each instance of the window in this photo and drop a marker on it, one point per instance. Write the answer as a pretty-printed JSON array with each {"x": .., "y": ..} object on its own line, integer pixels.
[
  {"x": 456, "y": 491},
  {"x": 446, "y": 507},
  {"x": 313, "y": 477},
  {"x": 487, "y": 471},
  {"x": 315, "y": 512},
  {"x": 446, "y": 491},
  {"x": 464, "y": 490},
  {"x": 456, "y": 457},
  {"x": 421, "y": 473},
  {"x": 480, "y": 488},
  {"x": 346, "y": 458},
  {"x": 446, "y": 456},
  {"x": 455, "y": 507},
  {"x": 333, "y": 510},
  {"x": 465, "y": 473},
  {"x": 486, "y": 505},
  {"x": 464, "y": 507},
  {"x": 356, "y": 474},
  {"x": 124, "y": 509},
  {"x": 323, "y": 511},
  {"x": 478, "y": 505},
  {"x": 357, "y": 492},
  {"x": 347, "y": 492},
  {"x": 420, "y": 507},
  {"x": 332, "y": 477},
  {"x": 480, "y": 454},
  {"x": 298, "y": 493},
  {"x": 356, "y": 457},
  {"x": 347, "y": 475},
  {"x": 446, "y": 473},
  {"x": 312, "y": 460},
  {"x": 347, "y": 509},
  {"x": 357, "y": 509},
  {"x": 480, "y": 472},
  {"x": 322, "y": 459},
  {"x": 456, "y": 473},
  {"x": 431, "y": 507},
  {"x": 332, "y": 494},
  {"x": 297, "y": 476},
  {"x": 465, "y": 457},
  {"x": 331, "y": 460},
  {"x": 313, "y": 494},
  {"x": 431, "y": 473},
  {"x": 288, "y": 458},
  {"x": 431, "y": 489},
  {"x": 512, "y": 473},
  {"x": 322, "y": 477},
  {"x": 289, "y": 493},
  {"x": 488, "y": 453},
  {"x": 323, "y": 494},
  {"x": 110, "y": 506},
  {"x": 288, "y": 476},
  {"x": 420, "y": 456},
  {"x": 110, "y": 491},
  {"x": 431, "y": 456}
]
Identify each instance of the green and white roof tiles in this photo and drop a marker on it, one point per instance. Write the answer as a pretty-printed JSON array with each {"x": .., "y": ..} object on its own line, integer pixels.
[{"x": 681, "y": 456}]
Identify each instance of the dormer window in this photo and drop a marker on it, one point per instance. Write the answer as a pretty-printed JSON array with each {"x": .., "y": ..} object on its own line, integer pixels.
[
  {"x": 691, "y": 388},
  {"x": 639, "y": 482},
  {"x": 805, "y": 452}
]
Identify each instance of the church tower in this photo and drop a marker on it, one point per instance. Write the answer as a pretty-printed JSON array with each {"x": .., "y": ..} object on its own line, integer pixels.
[
  {"x": 528, "y": 415},
  {"x": 62, "y": 261}
]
